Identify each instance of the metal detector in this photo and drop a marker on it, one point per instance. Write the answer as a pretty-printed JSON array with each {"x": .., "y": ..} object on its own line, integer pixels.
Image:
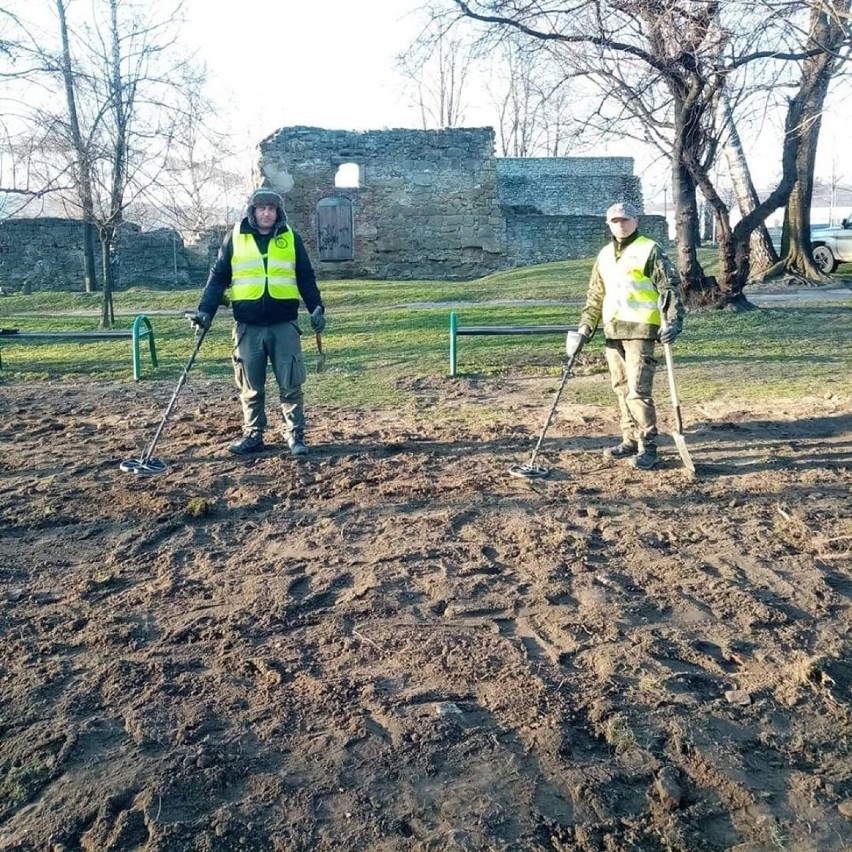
[
  {"x": 574, "y": 343},
  {"x": 146, "y": 464}
]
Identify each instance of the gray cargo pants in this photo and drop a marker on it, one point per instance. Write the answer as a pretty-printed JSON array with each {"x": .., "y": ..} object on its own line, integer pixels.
[
  {"x": 281, "y": 346},
  {"x": 631, "y": 367}
]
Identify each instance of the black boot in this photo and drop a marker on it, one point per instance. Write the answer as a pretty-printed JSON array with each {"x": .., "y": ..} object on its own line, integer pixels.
[
  {"x": 624, "y": 450},
  {"x": 296, "y": 443},
  {"x": 251, "y": 442},
  {"x": 647, "y": 458}
]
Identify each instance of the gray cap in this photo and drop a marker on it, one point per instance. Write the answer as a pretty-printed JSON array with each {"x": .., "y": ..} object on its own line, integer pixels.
[
  {"x": 265, "y": 195},
  {"x": 622, "y": 210}
]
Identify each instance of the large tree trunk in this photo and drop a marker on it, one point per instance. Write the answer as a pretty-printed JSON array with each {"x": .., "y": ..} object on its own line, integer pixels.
[
  {"x": 796, "y": 237},
  {"x": 685, "y": 201},
  {"x": 763, "y": 253},
  {"x": 798, "y": 260},
  {"x": 829, "y": 30}
]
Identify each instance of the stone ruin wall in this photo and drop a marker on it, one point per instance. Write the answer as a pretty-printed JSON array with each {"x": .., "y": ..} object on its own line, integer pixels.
[
  {"x": 433, "y": 204},
  {"x": 426, "y": 206},
  {"x": 438, "y": 204},
  {"x": 46, "y": 254}
]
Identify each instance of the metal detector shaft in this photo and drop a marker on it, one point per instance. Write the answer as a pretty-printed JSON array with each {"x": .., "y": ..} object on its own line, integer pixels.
[
  {"x": 146, "y": 456},
  {"x": 566, "y": 372}
]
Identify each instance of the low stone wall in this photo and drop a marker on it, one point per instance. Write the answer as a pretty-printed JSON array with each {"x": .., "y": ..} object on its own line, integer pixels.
[
  {"x": 566, "y": 186},
  {"x": 535, "y": 238},
  {"x": 41, "y": 254},
  {"x": 47, "y": 255}
]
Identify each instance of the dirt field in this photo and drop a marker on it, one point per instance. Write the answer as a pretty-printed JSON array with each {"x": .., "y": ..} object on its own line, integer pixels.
[{"x": 393, "y": 645}]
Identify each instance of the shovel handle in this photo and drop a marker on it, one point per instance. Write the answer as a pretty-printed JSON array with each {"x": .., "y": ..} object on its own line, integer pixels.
[
  {"x": 672, "y": 388},
  {"x": 663, "y": 304}
]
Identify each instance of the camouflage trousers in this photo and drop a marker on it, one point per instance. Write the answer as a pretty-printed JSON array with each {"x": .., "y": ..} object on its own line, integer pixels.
[
  {"x": 631, "y": 368},
  {"x": 279, "y": 345}
]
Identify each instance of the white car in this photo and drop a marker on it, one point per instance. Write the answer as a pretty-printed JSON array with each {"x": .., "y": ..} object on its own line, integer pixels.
[{"x": 832, "y": 245}]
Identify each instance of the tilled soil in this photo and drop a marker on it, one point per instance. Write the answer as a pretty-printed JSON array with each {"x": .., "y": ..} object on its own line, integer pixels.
[{"x": 391, "y": 644}]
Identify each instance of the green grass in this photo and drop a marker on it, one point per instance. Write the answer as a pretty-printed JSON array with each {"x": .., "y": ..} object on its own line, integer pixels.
[{"x": 384, "y": 338}]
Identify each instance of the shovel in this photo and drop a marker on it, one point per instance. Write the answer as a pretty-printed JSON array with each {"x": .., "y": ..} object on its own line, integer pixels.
[
  {"x": 680, "y": 441},
  {"x": 321, "y": 354}
]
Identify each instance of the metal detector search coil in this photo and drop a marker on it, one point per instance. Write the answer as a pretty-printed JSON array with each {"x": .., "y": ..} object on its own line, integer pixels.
[
  {"x": 528, "y": 471},
  {"x": 143, "y": 466}
]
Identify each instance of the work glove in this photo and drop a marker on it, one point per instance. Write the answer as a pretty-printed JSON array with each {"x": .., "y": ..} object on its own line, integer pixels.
[
  {"x": 574, "y": 341},
  {"x": 200, "y": 321},
  {"x": 669, "y": 332},
  {"x": 318, "y": 319}
]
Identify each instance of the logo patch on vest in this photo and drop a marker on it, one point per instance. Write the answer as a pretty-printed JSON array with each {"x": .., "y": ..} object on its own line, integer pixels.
[{"x": 282, "y": 241}]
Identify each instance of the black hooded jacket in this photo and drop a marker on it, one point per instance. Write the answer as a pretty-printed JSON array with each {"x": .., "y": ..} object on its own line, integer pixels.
[{"x": 265, "y": 311}]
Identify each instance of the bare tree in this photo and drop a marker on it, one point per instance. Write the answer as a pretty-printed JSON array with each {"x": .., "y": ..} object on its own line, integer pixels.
[
  {"x": 828, "y": 39},
  {"x": 529, "y": 93},
  {"x": 121, "y": 73},
  {"x": 762, "y": 250},
  {"x": 82, "y": 153},
  {"x": 689, "y": 52},
  {"x": 437, "y": 68},
  {"x": 201, "y": 179}
]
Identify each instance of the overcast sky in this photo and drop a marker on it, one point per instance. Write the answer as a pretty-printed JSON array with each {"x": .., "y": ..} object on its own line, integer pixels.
[
  {"x": 331, "y": 63},
  {"x": 325, "y": 63}
]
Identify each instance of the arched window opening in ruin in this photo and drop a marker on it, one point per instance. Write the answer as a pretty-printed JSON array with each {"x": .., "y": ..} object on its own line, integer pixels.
[
  {"x": 335, "y": 229},
  {"x": 348, "y": 176}
]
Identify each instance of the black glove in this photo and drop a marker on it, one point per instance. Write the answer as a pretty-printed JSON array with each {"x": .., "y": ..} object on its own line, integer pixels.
[
  {"x": 669, "y": 332},
  {"x": 200, "y": 321},
  {"x": 318, "y": 319}
]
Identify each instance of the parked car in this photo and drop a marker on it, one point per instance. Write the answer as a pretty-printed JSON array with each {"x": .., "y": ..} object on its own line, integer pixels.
[{"x": 832, "y": 245}]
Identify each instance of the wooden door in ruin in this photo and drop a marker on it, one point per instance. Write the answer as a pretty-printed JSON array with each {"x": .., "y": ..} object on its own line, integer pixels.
[{"x": 335, "y": 220}]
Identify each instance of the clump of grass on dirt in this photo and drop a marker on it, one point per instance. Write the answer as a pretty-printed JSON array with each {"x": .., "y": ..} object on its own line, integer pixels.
[
  {"x": 619, "y": 734},
  {"x": 198, "y": 507},
  {"x": 18, "y": 783}
]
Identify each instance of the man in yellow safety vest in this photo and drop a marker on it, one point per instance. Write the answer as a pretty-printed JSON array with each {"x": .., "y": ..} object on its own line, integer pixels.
[
  {"x": 264, "y": 266},
  {"x": 624, "y": 291}
]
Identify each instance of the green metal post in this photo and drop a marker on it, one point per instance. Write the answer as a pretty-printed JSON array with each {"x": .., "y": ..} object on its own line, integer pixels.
[
  {"x": 139, "y": 333},
  {"x": 454, "y": 322}
]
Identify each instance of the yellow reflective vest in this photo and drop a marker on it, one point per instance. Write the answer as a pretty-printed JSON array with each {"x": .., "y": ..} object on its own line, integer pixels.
[
  {"x": 251, "y": 276},
  {"x": 629, "y": 295}
]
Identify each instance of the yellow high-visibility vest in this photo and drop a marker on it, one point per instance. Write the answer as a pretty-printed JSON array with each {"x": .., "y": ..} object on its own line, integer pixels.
[
  {"x": 629, "y": 295},
  {"x": 249, "y": 278}
]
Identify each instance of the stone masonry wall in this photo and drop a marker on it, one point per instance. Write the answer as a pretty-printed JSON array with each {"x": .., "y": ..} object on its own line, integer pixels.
[
  {"x": 566, "y": 186},
  {"x": 433, "y": 204},
  {"x": 47, "y": 254},
  {"x": 534, "y": 238},
  {"x": 427, "y": 205}
]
